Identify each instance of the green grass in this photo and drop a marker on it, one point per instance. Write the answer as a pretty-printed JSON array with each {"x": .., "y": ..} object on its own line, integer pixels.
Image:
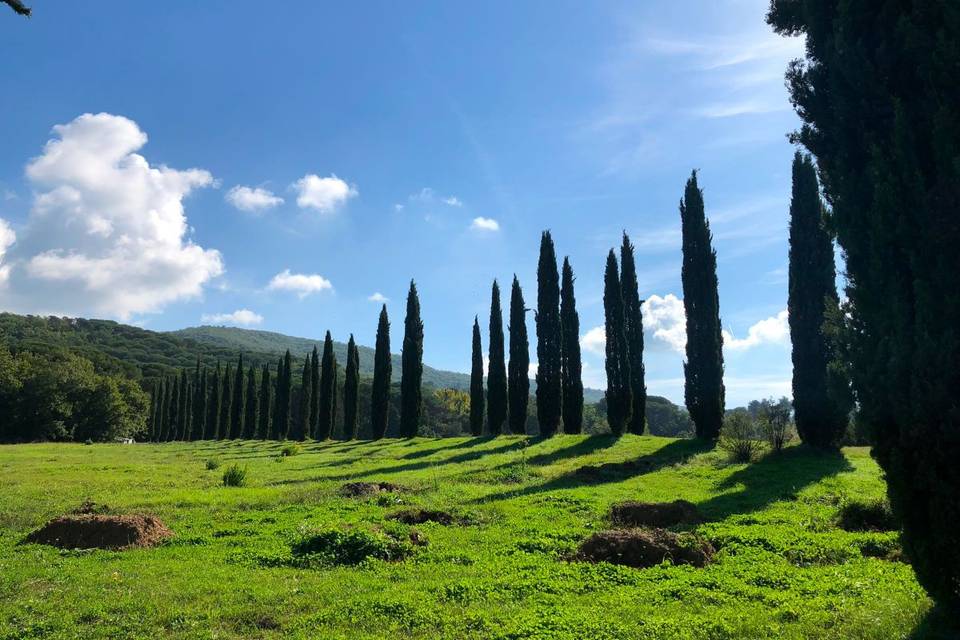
[{"x": 288, "y": 556}]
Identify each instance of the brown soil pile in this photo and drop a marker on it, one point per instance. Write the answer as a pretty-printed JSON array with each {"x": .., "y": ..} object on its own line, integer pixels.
[
  {"x": 644, "y": 548},
  {"x": 362, "y": 489},
  {"x": 91, "y": 531},
  {"x": 654, "y": 514},
  {"x": 419, "y": 516}
]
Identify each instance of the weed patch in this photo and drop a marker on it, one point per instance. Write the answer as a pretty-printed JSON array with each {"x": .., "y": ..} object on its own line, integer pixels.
[{"x": 643, "y": 548}]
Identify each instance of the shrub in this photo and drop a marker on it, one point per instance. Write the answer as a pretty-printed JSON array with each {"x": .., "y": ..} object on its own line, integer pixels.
[
  {"x": 334, "y": 547},
  {"x": 235, "y": 476},
  {"x": 776, "y": 425},
  {"x": 738, "y": 437},
  {"x": 212, "y": 464},
  {"x": 867, "y": 516},
  {"x": 290, "y": 449}
]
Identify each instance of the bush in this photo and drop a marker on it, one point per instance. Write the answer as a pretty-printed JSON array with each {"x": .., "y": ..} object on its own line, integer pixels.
[
  {"x": 212, "y": 464},
  {"x": 738, "y": 437},
  {"x": 776, "y": 425},
  {"x": 290, "y": 449},
  {"x": 235, "y": 476},
  {"x": 336, "y": 547},
  {"x": 867, "y": 516}
]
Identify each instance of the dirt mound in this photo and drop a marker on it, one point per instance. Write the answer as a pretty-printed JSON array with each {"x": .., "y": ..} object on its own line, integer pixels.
[
  {"x": 92, "y": 531},
  {"x": 420, "y": 516},
  {"x": 643, "y": 548},
  {"x": 361, "y": 489},
  {"x": 654, "y": 514}
]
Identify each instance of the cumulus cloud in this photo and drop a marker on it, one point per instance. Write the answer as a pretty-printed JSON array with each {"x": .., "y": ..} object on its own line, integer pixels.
[
  {"x": 7, "y": 238},
  {"x": 664, "y": 318},
  {"x": 772, "y": 330},
  {"x": 300, "y": 283},
  {"x": 484, "y": 224},
  {"x": 378, "y": 297},
  {"x": 107, "y": 233},
  {"x": 595, "y": 341},
  {"x": 324, "y": 195},
  {"x": 240, "y": 317},
  {"x": 252, "y": 199}
]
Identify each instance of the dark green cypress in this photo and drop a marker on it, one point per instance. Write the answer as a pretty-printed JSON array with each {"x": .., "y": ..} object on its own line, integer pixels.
[
  {"x": 571, "y": 366},
  {"x": 497, "y": 367},
  {"x": 277, "y": 432},
  {"x": 328, "y": 389},
  {"x": 287, "y": 384},
  {"x": 199, "y": 404},
  {"x": 237, "y": 403},
  {"x": 250, "y": 409},
  {"x": 619, "y": 401},
  {"x": 266, "y": 415},
  {"x": 382, "y": 371},
  {"x": 154, "y": 409},
  {"x": 314, "y": 392},
  {"x": 549, "y": 376},
  {"x": 169, "y": 411},
  {"x": 633, "y": 329},
  {"x": 226, "y": 401},
  {"x": 174, "y": 414},
  {"x": 411, "y": 374},
  {"x": 213, "y": 406},
  {"x": 183, "y": 427},
  {"x": 301, "y": 425},
  {"x": 351, "y": 391},
  {"x": 476, "y": 383},
  {"x": 518, "y": 370},
  {"x": 703, "y": 370},
  {"x": 161, "y": 411}
]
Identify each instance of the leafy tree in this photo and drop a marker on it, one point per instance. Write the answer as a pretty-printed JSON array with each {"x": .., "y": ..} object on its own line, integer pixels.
[
  {"x": 237, "y": 404},
  {"x": 476, "y": 383},
  {"x": 301, "y": 426},
  {"x": 633, "y": 329},
  {"x": 351, "y": 391},
  {"x": 411, "y": 376},
  {"x": 618, "y": 396},
  {"x": 571, "y": 366},
  {"x": 328, "y": 389},
  {"x": 226, "y": 403},
  {"x": 877, "y": 94},
  {"x": 213, "y": 407},
  {"x": 250, "y": 410},
  {"x": 314, "y": 391},
  {"x": 497, "y": 371},
  {"x": 703, "y": 369},
  {"x": 518, "y": 371},
  {"x": 382, "y": 370},
  {"x": 266, "y": 388},
  {"x": 549, "y": 378}
]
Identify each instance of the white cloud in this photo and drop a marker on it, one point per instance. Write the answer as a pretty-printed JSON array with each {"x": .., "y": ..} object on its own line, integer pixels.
[
  {"x": 453, "y": 201},
  {"x": 325, "y": 195},
  {"x": 665, "y": 319},
  {"x": 595, "y": 341},
  {"x": 7, "y": 238},
  {"x": 300, "y": 283},
  {"x": 398, "y": 207},
  {"x": 484, "y": 224},
  {"x": 107, "y": 233},
  {"x": 378, "y": 297},
  {"x": 773, "y": 330},
  {"x": 429, "y": 196},
  {"x": 252, "y": 199},
  {"x": 240, "y": 317}
]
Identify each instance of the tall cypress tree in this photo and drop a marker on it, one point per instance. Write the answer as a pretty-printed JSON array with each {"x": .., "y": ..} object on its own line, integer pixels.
[
  {"x": 287, "y": 383},
  {"x": 174, "y": 412},
  {"x": 703, "y": 370},
  {"x": 153, "y": 412},
  {"x": 518, "y": 371},
  {"x": 633, "y": 329},
  {"x": 497, "y": 371},
  {"x": 237, "y": 404},
  {"x": 213, "y": 406},
  {"x": 411, "y": 375},
  {"x": 199, "y": 413},
  {"x": 314, "y": 392},
  {"x": 476, "y": 383},
  {"x": 226, "y": 403},
  {"x": 250, "y": 409},
  {"x": 619, "y": 401},
  {"x": 158, "y": 430},
  {"x": 328, "y": 389},
  {"x": 277, "y": 431},
  {"x": 571, "y": 367},
  {"x": 169, "y": 410},
  {"x": 382, "y": 371},
  {"x": 183, "y": 428},
  {"x": 266, "y": 415},
  {"x": 821, "y": 420},
  {"x": 351, "y": 391},
  {"x": 549, "y": 376},
  {"x": 301, "y": 426}
]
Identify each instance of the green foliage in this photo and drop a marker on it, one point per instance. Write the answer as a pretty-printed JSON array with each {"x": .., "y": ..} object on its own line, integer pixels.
[
  {"x": 496, "y": 367},
  {"x": 328, "y": 369},
  {"x": 251, "y": 411},
  {"x": 571, "y": 366},
  {"x": 226, "y": 402},
  {"x": 549, "y": 339},
  {"x": 518, "y": 371},
  {"x": 351, "y": 391},
  {"x": 235, "y": 476},
  {"x": 411, "y": 372},
  {"x": 476, "y": 382},
  {"x": 382, "y": 371},
  {"x": 633, "y": 332},
  {"x": 703, "y": 370},
  {"x": 738, "y": 437},
  {"x": 335, "y": 547},
  {"x": 775, "y": 423},
  {"x": 290, "y": 449},
  {"x": 266, "y": 404},
  {"x": 212, "y": 464},
  {"x": 237, "y": 402},
  {"x": 619, "y": 400},
  {"x": 874, "y": 515}
]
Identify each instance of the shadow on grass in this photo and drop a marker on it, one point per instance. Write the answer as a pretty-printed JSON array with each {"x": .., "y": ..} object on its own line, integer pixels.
[
  {"x": 938, "y": 624},
  {"x": 582, "y": 447}
]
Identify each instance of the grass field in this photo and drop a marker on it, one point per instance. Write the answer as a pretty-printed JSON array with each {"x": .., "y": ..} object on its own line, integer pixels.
[{"x": 783, "y": 570}]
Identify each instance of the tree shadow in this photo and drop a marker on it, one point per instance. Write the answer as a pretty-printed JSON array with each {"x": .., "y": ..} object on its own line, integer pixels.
[
  {"x": 939, "y": 623},
  {"x": 465, "y": 444},
  {"x": 583, "y": 446}
]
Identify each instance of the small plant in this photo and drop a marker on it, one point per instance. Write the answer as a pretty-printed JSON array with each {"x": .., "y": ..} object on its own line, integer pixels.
[
  {"x": 213, "y": 464},
  {"x": 290, "y": 449},
  {"x": 334, "y": 547},
  {"x": 867, "y": 516},
  {"x": 738, "y": 437},
  {"x": 776, "y": 425},
  {"x": 235, "y": 476}
]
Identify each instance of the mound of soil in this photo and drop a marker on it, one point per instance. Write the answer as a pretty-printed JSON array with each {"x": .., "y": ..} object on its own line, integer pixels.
[
  {"x": 362, "y": 489},
  {"x": 642, "y": 548},
  {"x": 92, "y": 531},
  {"x": 654, "y": 514},
  {"x": 419, "y": 516}
]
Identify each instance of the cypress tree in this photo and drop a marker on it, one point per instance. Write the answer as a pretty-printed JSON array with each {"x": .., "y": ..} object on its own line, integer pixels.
[
  {"x": 265, "y": 417},
  {"x": 571, "y": 366},
  {"x": 276, "y": 433},
  {"x": 287, "y": 384},
  {"x": 158, "y": 430},
  {"x": 476, "y": 383},
  {"x": 703, "y": 369},
  {"x": 169, "y": 410},
  {"x": 301, "y": 426},
  {"x": 497, "y": 371},
  {"x": 411, "y": 374},
  {"x": 174, "y": 414},
  {"x": 821, "y": 420},
  {"x": 237, "y": 403},
  {"x": 633, "y": 330},
  {"x": 549, "y": 376},
  {"x": 328, "y": 389},
  {"x": 183, "y": 427},
  {"x": 351, "y": 391},
  {"x": 226, "y": 401},
  {"x": 314, "y": 392},
  {"x": 250, "y": 408},
  {"x": 336, "y": 391},
  {"x": 619, "y": 400},
  {"x": 199, "y": 403},
  {"x": 382, "y": 371},
  {"x": 213, "y": 406},
  {"x": 154, "y": 406},
  {"x": 518, "y": 371}
]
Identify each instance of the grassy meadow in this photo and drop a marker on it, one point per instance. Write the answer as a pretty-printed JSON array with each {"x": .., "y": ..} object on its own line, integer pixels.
[{"x": 502, "y": 570}]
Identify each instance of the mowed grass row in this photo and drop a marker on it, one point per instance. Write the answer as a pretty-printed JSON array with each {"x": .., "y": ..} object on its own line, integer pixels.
[{"x": 783, "y": 570}]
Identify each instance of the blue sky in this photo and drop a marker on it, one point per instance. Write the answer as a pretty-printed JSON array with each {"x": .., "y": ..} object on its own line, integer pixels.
[{"x": 284, "y": 168}]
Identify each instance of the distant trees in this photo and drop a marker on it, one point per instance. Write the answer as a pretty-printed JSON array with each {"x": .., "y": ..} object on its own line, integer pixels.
[
  {"x": 518, "y": 376},
  {"x": 281, "y": 405},
  {"x": 251, "y": 417},
  {"x": 212, "y": 431},
  {"x": 351, "y": 391},
  {"x": 633, "y": 331},
  {"x": 199, "y": 402},
  {"x": 476, "y": 382},
  {"x": 237, "y": 404},
  {"x": 266, "y": 406},
  {"x": 411, "y": 394},
  {"x": 226, "y": 401},
  {"x": 301, "y": 426},
  {"x": 549, "y": 340},
  {"x": 328, "y": 387},
  {"x": 382, "y": 370},
  {"x": 619, "y": 401},
  {"x": 703, "y": 370},
  {"x": 497, "y": 367},
  {"x": 570, "y": 363}
]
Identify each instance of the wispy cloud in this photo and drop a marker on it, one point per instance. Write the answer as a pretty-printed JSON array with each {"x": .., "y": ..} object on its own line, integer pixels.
[{"x": 484, "y": 224}]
